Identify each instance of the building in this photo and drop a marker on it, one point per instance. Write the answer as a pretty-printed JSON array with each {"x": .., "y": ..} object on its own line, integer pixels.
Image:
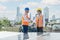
[
  {"x": 30, "y": 15},
  {"x": 46, "y": 15},
  {"x": 53, "y": 17},
  {"x": 18, "y": 15}
]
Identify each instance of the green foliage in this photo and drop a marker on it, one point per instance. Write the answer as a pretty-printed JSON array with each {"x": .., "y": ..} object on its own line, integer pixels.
[
  {"x": 19, "y": 23},
  {"x": 5, "y": 22},
  {"x": 0, "y": 25}
]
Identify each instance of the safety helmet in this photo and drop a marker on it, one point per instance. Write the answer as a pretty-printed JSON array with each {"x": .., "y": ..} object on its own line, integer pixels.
[
  {"x": 39, "y": 9},
  {"x": 26, "y": 8}
]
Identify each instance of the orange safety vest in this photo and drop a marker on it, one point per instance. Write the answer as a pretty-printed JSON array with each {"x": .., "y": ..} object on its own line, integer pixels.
[
  {"x": 25, "y": 21},
  {"x": 39, "y": 21}
]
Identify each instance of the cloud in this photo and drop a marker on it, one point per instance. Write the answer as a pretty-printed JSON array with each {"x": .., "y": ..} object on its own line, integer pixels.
[
  {"x": 3, "y": 0},
  {"x": 29, "y": 4},
  {"x": 9, "y": 0},
  {"x": 10, "y": 14},
  {"x": 19, "y": 0},
  {"x": 50, "y": 2},
  {"x": 32, "y": 3},
  {"x": 5, "y": 12},
  {"x": 41, "y": 4},
  {"x": 54, "y": 12},
  {"x": 2, "y": 7}
]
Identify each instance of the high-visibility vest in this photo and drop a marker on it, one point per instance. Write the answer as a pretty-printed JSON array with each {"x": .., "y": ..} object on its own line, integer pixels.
[
  {"x": 39, "y": 21},
  {"x": 25, "y": 20}
]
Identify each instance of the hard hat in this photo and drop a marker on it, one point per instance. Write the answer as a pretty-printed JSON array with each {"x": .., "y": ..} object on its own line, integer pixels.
[
  {"x": 26, "y": 8},
  {"x": 39, "y": 9}
]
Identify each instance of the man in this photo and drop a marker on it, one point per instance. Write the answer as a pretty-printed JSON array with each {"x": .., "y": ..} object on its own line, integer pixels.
[
  {"x": 25, "y": 21},
  {"x": 39, "y": 21}
]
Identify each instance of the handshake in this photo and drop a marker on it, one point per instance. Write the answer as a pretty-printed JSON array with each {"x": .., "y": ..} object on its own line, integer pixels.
[{"x": 30, "y": 20}]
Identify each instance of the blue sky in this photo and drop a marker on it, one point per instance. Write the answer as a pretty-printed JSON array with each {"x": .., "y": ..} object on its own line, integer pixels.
[{"x": 8, "y": 7}]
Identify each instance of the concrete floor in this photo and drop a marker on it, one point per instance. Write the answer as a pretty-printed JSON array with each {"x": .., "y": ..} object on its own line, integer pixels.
[{"x": 32, "y": 36}]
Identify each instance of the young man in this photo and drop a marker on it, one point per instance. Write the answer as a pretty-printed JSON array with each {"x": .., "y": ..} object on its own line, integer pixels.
[
  {"x": 25, "y": 22},
  {"x": 39, "y": 21}
]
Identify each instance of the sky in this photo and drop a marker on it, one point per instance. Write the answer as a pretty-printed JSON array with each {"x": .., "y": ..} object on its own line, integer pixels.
[{"x": 8, "y": 8}]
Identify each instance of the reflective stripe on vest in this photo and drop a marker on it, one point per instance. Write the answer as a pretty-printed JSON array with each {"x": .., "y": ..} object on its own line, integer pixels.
[
  {"x": 39, "y": 21},
  {"x": 25, "y": 20}
]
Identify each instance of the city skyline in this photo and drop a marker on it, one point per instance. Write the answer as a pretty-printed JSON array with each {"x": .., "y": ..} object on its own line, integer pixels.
[{"x": 8, "y": 8}]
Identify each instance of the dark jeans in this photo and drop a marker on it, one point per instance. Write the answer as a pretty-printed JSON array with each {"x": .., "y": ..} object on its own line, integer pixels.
[
  {"x": 40, "y": 29},
  {"x": 25, "y": 28}
]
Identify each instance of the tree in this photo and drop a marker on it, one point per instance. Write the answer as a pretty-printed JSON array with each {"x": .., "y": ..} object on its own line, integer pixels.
[
  {"x": 5, "y": 22},
  {"x": 0, "y": 25},
  {"x": 19, "y": 23}
]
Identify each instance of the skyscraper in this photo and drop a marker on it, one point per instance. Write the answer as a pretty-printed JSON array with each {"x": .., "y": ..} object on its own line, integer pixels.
[
  {"x": 46, "y": 15},
  {"x": 17, "y": 15},
  {"x": 53, "y": 17}
]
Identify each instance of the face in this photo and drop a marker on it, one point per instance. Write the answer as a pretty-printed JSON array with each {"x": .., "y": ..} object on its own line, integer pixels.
[
  {"x": 38, "y": 12},
  {"x": 26, "y": 11}
]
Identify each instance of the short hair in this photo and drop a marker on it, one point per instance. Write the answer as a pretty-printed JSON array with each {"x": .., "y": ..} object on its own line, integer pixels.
[{"x": 39, "y": 11}]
